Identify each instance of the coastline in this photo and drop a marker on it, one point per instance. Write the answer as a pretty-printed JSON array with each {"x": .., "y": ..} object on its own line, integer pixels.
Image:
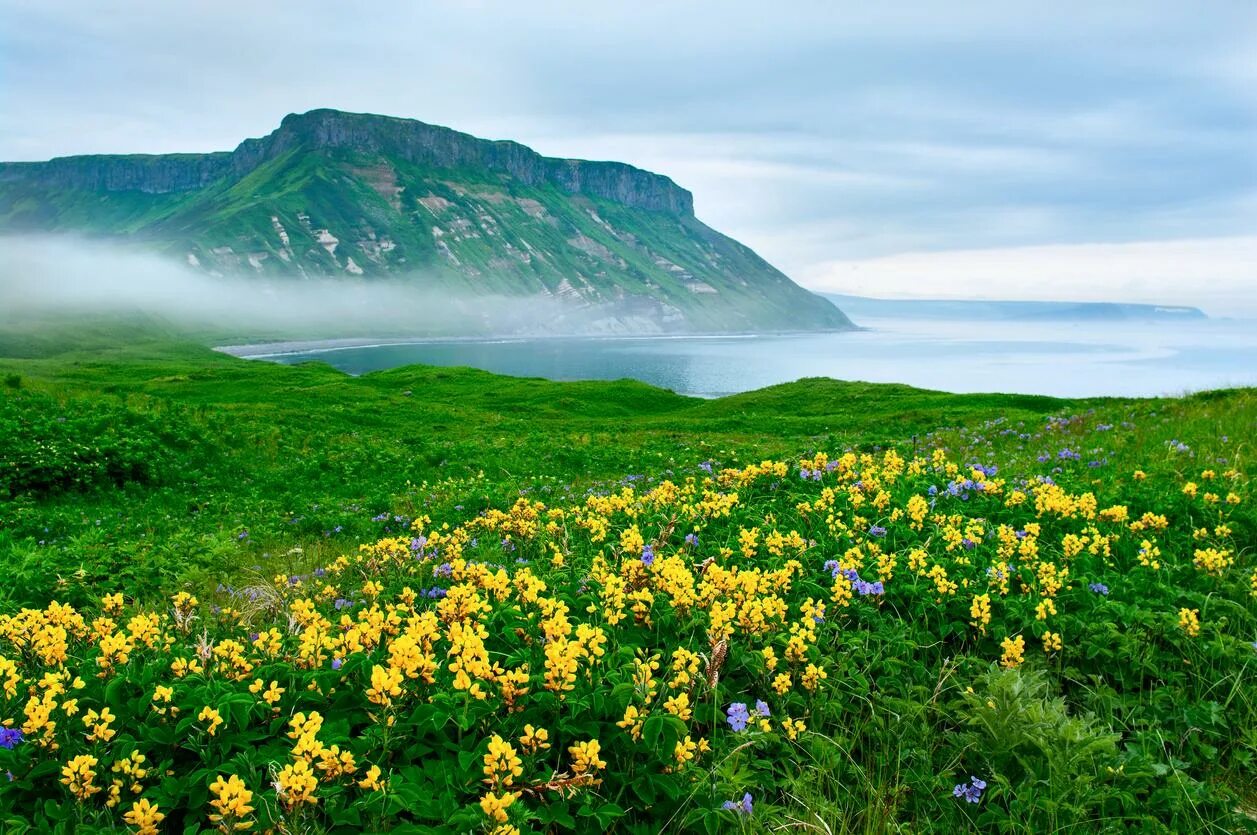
[{"x": 286, "y": 347}]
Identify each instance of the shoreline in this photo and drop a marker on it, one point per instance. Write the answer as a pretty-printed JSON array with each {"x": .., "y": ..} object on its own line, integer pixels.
[{"x": 288, "y": 347}]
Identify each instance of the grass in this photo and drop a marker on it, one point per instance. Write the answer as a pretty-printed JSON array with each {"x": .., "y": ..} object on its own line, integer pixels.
[
  {"x": 290, "y": 454},
  {"x": 155, "y": 465}
]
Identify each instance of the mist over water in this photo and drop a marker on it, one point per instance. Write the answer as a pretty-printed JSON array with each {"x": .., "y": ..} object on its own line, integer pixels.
[
  {"x": 56, "y": 275},
  {"x": 42, "y": 277}
]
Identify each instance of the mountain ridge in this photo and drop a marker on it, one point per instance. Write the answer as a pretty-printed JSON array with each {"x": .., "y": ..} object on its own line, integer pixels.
[
  {"x": 362, "y": 196},
  {"x": 413, "y": 140}
]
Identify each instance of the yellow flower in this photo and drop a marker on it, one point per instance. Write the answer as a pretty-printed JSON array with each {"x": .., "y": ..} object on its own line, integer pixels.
[
  {"x": 1213, "y": 560},
  {"x": 980, "y": 611},
  {"x": 295, "y": 785},
  {"x": 1052, "y": 641},
  {"x": 1014, "y": 652},
  {"x": 231, "y": 804},
  {"x": 386, "y": 685},
  {"x": 793, "y": 727},
  {"x": 1189, "y": 621},
  {"x": 679, "y": 706},
  {"x": 372, "y": 781},
  {"x": 212, "y": 717},
  {"x": 684, "y": 751},
  {"x": 534, "y": 739},
  {"x": 813, "y": 676},
  {"x": 97, "y": 725},
  {"x": 501, "y": 766},
  {"x": 632, "y": 722},
  {"x": 495, "y": 806},
  {"x": 78, "y": 776},
  {"x": 144, "y": 817},
  {"x": 585, "y": 759}
]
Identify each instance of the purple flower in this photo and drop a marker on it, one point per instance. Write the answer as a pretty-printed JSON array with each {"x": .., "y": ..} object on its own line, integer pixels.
[
  {"x": 737, "y": 716},
  {"x": 1099, "y": 588},
  {"x": 10, "y": 737},
  {"x": 705, "y": 466},
  {"x": 971, "y": 791},
  {"x": 383, "y": 517},
  {"x": 337, "y": 663},
  {"x": 877, "y": 530},
  {"x": 648, "y": 555},
  {"x": 742, "y": 807},
  {"x": 691, "y": 539},
  {"x": 242, "y": 536},
  {"x": 761, "y": 709}
]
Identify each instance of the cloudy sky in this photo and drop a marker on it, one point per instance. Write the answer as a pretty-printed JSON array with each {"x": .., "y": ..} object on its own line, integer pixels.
[{"x": 1009, "y": 150}]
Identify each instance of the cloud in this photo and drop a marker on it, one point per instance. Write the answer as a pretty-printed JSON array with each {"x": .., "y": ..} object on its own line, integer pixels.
[
  {"x": 1216, "y": 274},
  {"x": 822, "y": 132}
]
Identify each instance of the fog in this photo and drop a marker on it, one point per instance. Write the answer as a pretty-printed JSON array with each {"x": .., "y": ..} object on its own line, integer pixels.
[{"x": 43, "y": 276}]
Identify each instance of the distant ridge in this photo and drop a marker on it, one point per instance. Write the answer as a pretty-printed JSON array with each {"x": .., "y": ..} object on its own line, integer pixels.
[
  {"x": 861, "y": 306},
  {"x": 360, "y": 196}
]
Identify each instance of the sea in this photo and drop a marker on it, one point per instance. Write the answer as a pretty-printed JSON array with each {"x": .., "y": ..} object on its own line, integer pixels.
[{"x": 1059, "y": 358}]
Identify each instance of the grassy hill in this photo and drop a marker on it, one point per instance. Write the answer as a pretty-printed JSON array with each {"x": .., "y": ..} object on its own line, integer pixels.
[{"x": 823, "y": 604}]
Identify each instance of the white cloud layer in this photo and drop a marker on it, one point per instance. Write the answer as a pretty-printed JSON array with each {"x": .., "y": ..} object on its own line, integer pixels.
[{"x": 1218, "y": 275}]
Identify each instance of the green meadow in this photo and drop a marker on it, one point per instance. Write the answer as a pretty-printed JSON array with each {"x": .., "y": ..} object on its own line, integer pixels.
[{"x": 517, "y": 605}]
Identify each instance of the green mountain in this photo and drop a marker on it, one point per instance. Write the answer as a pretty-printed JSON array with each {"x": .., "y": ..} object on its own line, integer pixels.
[{"x": 364, "y": 197}]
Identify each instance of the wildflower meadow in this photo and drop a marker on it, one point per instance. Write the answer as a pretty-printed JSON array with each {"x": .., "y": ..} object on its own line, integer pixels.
[{"x": 1032, "y": 625}]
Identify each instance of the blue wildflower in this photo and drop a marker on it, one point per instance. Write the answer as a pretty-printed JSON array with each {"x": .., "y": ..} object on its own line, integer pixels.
[
  {"x": 971, "y": 791},
  {"x": 1099, "y": 588},
  {"x": 648, "y": 555},
  {"x": 737, "y": 716},
  {"x": 877, "y": 530},
  {"x": 10, "y": 737},
  {"x": 761, "y": 709},
  {"x": 691, "y": 539},
  {"x": 742, "y": 807}
]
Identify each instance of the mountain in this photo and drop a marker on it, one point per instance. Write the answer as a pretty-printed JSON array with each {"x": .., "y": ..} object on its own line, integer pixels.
[
  {"x": 1007, "y": 311},
  {"x": 363, "y": 197}
]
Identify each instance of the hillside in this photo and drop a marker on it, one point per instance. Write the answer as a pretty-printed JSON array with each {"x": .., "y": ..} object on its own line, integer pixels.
[
  {"x": 365, "y": 197},
  {"x": 440, "y": 600}
]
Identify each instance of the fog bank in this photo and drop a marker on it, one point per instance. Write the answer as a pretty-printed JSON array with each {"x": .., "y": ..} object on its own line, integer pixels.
[{"x": 58, "y": 275}]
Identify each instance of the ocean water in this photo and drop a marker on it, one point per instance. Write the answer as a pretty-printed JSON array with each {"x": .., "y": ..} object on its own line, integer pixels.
[{"x": 1067, "y": 359}]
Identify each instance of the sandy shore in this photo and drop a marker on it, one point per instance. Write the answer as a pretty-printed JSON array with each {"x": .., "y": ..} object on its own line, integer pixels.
[{"x": 261, "y": 350}]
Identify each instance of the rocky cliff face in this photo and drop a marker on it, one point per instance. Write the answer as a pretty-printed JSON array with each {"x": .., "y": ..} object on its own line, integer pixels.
[
  {"x": 360, "y": 196},
  {"x": 149, "y": 174},
  {"x": 406, "y": 139}
]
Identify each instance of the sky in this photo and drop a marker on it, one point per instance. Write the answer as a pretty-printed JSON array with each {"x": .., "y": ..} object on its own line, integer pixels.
[{"x": 1090, "y": 151}]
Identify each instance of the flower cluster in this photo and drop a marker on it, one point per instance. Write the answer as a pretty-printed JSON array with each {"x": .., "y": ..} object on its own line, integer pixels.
[{"x": 557, "y": 656}]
